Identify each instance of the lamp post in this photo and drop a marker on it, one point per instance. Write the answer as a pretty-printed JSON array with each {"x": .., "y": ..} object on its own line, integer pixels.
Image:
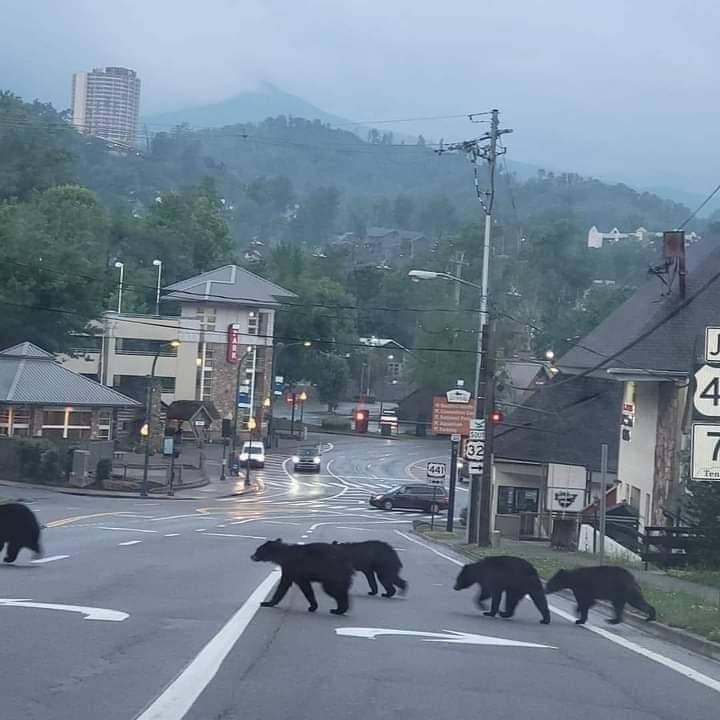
[
  {"x": 273, "y": 365},
  {"x": 383, "y": 383},
  {"x": 233, "y": 441},
  {"x": 121, "y": 267},
  {"x": 479, "y": 511},
  {"x": 148, "y": 412},
  {"x": 158, "y": 264},
  {"x": 302, "y": 397}
]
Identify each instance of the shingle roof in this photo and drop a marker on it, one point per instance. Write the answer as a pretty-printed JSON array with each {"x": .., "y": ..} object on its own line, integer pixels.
[
  {"x": 669, "y": 347},
  {"x": 186, "y": 409},
  {"x": 565, "y": 425},
  {"x": 229, "y": 284},
  {"x": 29, "y": 375}
]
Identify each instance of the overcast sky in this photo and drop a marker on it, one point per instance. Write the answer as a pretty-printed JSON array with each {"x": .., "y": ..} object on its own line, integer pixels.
[{"x": 618, "y": 89}]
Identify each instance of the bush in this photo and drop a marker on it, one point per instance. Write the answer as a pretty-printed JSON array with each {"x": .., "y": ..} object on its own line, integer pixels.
[
  {"x": 50, "y": 466},
  {"x": 30, "y": 457},
  {"x": 103, "y": 469},
  {"x": 336, "y": 423}
]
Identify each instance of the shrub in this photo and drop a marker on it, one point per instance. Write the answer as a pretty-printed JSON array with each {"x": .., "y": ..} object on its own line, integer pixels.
[
  {"x": 103, "y": 469},
  {"x": 336, "y": 423},
  {"x": 30, "y": 457},
  {"x": 50, "y": 466}
]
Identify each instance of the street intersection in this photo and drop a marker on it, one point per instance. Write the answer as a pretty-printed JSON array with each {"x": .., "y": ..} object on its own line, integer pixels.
[{"x": 150, "y": 609}]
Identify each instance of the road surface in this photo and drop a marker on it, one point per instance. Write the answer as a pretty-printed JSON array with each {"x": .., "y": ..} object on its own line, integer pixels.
[{"x": 149, "y": 609}]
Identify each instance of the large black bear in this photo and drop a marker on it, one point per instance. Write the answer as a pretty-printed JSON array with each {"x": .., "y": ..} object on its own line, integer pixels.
[
  {"x": 374, "y": 557},
  {"x": 502, "y": 573},
  {"x": 19, "y": 528},
  {"x": 305, "y": 564},
  {"x": 601, "y": 582}
]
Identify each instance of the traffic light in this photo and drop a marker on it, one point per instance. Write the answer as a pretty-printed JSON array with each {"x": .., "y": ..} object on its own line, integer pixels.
[
  {"x": 496, "y": 417},
  {"x": 361, "y": 421}
]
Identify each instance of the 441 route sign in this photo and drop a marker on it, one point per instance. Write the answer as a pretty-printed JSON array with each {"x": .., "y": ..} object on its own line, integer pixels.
[{"x": 706, "y": 397}]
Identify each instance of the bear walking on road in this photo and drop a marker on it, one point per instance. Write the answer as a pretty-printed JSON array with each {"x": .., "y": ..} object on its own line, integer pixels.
[
  {"x": 306, "y": 564},
  {"x": 374, "y": 557},
  {"x": 19, "y": 528},
  {"x": 601, "y": 582},
  {"x": 513, "y": 576}
]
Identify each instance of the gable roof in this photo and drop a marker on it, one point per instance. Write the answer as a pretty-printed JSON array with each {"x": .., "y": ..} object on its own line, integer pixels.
[
  {"x": 30, "y": 375},
  {"x": 187, "y": 409},
  {"x": 668, "y": 347},
  {"x": 566, "y": 426},
  {"x": 227, "y": 284},
  {"x": 26, "y": 350}
]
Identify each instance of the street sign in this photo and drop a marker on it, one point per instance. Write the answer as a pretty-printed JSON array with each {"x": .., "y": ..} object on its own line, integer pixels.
[
  {"x": 243, "y": 396},
  {"x": 436, "y": 471},
  {"x": 475, "y": 450},
  {"x": 279, "y": 382},
  {"x": 233, "y": 343},
  {"x": 456, "y": 395},
  {"x": 477, "y": 424},
  {"x": 705, "y": 452},
  {"x": 712, "y": 345},
  {"x": 706, "y": 397},
  {"x": 455, "y": 437},
  {"x": 450, "y": 418}
]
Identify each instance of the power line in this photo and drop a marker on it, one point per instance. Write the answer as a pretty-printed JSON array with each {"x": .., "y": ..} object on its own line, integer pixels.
[{"x": 700, "y": 207}]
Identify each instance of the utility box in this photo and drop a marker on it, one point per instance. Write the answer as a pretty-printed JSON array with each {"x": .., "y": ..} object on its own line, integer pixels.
[{"x": 80, "y": 475}]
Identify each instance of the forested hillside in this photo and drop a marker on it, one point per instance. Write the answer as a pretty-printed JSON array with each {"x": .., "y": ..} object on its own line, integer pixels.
[{"x": 72, "y": 206}]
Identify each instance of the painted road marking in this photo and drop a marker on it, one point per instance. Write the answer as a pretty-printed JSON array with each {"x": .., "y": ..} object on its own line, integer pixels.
[
  {"x": 104, "y": 527},
  {"x": 688, "y": 672},
  {"x": 179, "y": 697},
  {"x": 129, "y": 542},
  {"x": 251, "y": 537},
  {"x": 172, "y": 534},
  {"x": 75, "y": 518},
  {"x": 91, "y": 613},
  {"x": 51, "y": 558},
  {"x": 447, "y": 636}
]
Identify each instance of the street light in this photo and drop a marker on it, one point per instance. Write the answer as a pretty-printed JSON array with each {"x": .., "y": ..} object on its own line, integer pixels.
[
  {"x": 121, "y": 267},
  {"x": 158, "y": 265},
  {"x": 174, "y": 344},
  {"x": 233, "y": 442},
  {"x": 273, "y": 364},
  {"x": 479, "y": 511}
]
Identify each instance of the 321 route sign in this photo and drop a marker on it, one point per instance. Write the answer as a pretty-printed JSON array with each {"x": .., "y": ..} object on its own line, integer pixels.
[{"x": 705, "y": 452}]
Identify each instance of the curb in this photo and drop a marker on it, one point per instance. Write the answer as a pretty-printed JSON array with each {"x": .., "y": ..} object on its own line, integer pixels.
[{"x": 677, "y": 636}]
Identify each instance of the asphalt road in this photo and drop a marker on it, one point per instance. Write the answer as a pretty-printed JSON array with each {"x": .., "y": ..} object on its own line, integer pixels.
[{"x": 189, "y": 640}]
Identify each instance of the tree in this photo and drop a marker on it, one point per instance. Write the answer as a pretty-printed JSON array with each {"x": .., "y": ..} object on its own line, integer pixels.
[
  {"x": 403, "y": 211},
  {"x": 53, "y": 260},
  {"x": 331, "y": 378},
  {"x": 705, "y": 509}
]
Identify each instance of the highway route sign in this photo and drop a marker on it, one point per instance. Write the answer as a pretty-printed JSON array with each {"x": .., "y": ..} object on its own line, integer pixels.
[
  {"x": 436, "y": 471},
  {"x": 475, "y": 450},
  {"x": 712, "y": 345},
  {"x": 706, "y": 397},
  {"x": 705, "y": 452}
]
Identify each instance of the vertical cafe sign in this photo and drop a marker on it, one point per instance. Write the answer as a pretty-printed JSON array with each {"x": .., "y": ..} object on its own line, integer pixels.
[{"x": 233, "y": 343}]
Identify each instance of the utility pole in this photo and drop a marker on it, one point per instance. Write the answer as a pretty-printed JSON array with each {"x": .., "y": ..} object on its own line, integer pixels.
[
  {"x": 484, "y": 148},
  {"x": 458, "y": 261}
]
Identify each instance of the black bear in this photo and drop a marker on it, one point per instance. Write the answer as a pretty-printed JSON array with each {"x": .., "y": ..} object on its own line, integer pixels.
[
  {"x": 513, "y": 576},
  {"x": 19, "y": 528},
  {"x": 305, "y": 564},
  {"x": 374, "y": 557},
  {"x": 601, "y": 582}
]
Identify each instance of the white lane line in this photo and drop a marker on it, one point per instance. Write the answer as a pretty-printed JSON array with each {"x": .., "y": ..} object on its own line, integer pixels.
[
  {"x": 51, "y": 558},
  {"x": 171, "y": 534},
  {"x": 235, "y": 535},
  {"x": 688, "y": 672},
  {"x": 129, "y": 542},
  {"x": 105, "y": 527},
  {"x": 181, "y": 694},
  {"x": 200, "y": 529}
]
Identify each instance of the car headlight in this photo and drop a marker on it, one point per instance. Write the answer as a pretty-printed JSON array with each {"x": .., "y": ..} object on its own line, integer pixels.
[
  {"x": 316, "y": 460},
  {"x": 243, "y": 457},
  {"x": 295, "y": 459},
  {"x": 378, "y": 497}
]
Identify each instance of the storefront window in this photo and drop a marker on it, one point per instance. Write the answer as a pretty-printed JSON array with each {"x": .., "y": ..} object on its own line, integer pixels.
[
  {"x": 513, "y": 500},
  {"x": 104, "y": 431},
  {"x": 67, "y": 423}
]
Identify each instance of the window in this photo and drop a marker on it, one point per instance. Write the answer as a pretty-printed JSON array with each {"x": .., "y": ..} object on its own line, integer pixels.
[
  {"x": 207, "y": 317},
  {"x": 264, "y": 324},
  {"x": 5, "y": 417},
  {"x": 513, "y": 500},
  {"x": 252, "y": 323},
  {"x": 393, "y": 369},
  {"x": 68, "y": 423},
  {"x": 104, "y": 429},
  {"x": 86, "y": 344},
  {"x": 635, "y": 498},
  {"x": 167, "y": 384},
  {"x": 647, "y": 508},
  {"x": 20, "y": 422},
  {"x": 138, "y": 346}
]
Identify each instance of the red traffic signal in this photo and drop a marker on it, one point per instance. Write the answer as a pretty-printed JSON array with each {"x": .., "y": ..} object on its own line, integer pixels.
[
  {"x": 361, "y": 418},
  {"x": 496, "y": 416},
  {"x": 290, "y": 398}
]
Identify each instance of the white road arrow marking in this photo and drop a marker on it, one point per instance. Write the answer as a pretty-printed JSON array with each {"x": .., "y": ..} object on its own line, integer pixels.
[
  {"x": 448, "y": 636},
  {"x": 91, "y": 613},
  {"x": 52, "y": 558}
]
